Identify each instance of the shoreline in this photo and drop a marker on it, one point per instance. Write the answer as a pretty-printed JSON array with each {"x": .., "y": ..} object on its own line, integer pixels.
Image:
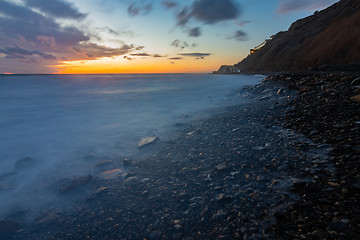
[
  {"x": 327, "y": 112},
  {"x": 205, "y": 184}
]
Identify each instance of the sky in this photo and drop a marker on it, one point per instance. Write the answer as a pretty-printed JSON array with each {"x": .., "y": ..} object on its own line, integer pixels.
[{"x": 138, "y": 36}]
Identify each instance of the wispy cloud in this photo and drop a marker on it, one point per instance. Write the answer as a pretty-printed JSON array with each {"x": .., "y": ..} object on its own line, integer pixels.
[
  {"x": 145, "y": 55},
  {"x": 127, "y": 58},
  {"x": 136, "y": 9},
  {"x": 196, "y": 55},
  {"x": 140, "y": 54},
  {"x": 169, "y": 4},
  {"x": 157, "y": 56},
  {"x": 176, "y": 58},
  {"x": 239, "y": 36},
  {"x": 244, "y": 22},
  {"x": 287, "y": 6},
  {"x": 56, "y": 8},
  {"x": 182, "y": 44},
  {"x": 20, "y": 53},
  {"x": 91, "y": 51}
]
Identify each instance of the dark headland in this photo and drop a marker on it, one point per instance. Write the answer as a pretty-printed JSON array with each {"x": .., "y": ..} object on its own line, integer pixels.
[{"x": 319, "y": 57}]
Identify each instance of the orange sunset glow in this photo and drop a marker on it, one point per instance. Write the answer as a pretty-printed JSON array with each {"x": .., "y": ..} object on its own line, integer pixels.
[{"x": 119, "y": 65}]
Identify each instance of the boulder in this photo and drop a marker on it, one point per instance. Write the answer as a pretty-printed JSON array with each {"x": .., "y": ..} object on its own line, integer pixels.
[{"x": 148, "y": 140}]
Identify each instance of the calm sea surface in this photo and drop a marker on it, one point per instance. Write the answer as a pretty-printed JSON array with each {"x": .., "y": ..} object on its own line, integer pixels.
[{"x": 59, "y": 119}]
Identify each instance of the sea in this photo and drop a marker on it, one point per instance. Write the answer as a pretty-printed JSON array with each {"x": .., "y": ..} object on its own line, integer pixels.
[{"x": 61, "y": 120}]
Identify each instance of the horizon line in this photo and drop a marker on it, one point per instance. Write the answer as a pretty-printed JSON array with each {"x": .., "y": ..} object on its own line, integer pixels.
[{"x": 13, "y": 74}]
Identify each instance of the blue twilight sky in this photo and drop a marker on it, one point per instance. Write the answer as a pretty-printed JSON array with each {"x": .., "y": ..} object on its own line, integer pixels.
[{"x": 123, "y": 36}]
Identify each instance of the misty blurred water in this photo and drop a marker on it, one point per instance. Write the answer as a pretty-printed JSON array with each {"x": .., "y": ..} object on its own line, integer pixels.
[{"x": 59, "y": 119}]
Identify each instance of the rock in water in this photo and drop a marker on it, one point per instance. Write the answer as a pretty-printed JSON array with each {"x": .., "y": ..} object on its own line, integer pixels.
[
  {"x": 70, "y": 184},
  {"x": 146, "y": 141},
  {"x": 24, "y": 163}
]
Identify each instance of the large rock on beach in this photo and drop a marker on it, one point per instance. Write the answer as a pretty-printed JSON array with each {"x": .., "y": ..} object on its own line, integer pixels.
[{"x": 147, "y": 140}]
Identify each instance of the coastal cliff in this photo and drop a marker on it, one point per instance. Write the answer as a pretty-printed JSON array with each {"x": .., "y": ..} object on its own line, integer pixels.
[{"x": 327, "y": 40}]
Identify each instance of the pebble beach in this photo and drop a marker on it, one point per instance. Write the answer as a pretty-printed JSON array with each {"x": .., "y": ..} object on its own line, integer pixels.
[{"x": 283, "y": 165}]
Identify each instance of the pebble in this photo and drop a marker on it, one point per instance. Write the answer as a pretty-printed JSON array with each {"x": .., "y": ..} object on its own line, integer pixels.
[{"x": 221, "y": 167}]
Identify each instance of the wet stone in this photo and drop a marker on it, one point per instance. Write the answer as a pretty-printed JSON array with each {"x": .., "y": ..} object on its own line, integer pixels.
[
  {"x": 221, "y": 167},
  {"x": 111, "y": 174}
]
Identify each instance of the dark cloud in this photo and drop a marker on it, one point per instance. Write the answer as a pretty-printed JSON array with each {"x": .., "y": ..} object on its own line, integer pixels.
[
  {"x": 208, "y": 11},
  {"x": 213, "y": 11},
  {"x": 169, "y": 4},
  {"x": 182, "y": 44},
  {"x": 198, "y": 55},
  {"x": 195, "y": 32},
  {"x": 183, "y": 17},
  {"x": 140, "y": 54},
  {"x": 90, "y": 51},
  {"x": 20, "y": 53},
  {"x": 127, "y": 58},
  {"x": 20, "y": 25},
  {"x": 34, "y": 36},
  {"x": 286, "y": 6},
  {"x": 176, "y": 58},
  {"x": 179, "y": 44},
  {"x": 157, "y": 56},
  {"x": 239, "y": 36},
  {"x": 136, "y": 9},
  {"x": 57, "y": 8}
]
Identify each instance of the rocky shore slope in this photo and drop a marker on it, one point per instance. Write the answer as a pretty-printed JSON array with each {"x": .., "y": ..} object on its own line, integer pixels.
[{"x": 327, "y": 110}]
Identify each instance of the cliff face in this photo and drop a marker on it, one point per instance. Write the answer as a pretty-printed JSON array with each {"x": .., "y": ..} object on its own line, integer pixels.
[{"x": 331, "y": 36}]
